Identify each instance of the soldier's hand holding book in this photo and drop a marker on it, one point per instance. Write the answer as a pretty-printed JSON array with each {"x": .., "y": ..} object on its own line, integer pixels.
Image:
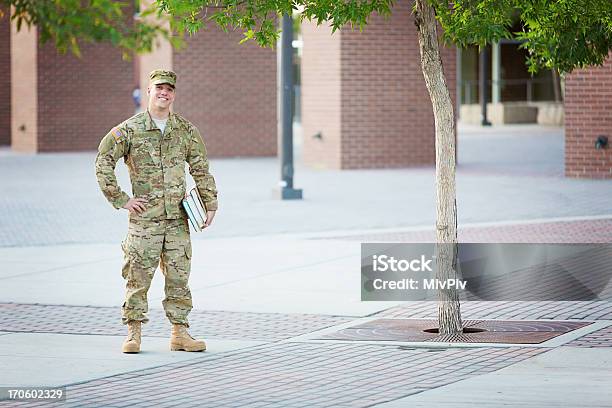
[
  {"x": 209, "y": 218},
  {"x": 198, "y": 216}
]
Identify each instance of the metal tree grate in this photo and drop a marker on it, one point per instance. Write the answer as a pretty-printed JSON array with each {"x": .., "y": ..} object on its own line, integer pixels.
[{"x": 475, "y": 331}]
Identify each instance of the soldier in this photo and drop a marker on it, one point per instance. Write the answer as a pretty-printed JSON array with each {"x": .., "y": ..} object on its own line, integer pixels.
[{"x": 155, "y": 144}]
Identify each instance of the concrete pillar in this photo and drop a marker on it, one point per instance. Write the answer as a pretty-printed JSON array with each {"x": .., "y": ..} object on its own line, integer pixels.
[
  {"x": 496, "y": 72},
  {"x": 321, "y": 96},
  {"x": 160, "y": 57},
  {"x": 483, "y": 85},
  {"x": 24, "y": 89}
]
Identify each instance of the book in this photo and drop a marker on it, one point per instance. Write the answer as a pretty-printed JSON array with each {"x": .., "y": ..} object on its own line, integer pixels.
[
  {"x": 194, "y": 207},
  {"x": 195, "y": 194}
]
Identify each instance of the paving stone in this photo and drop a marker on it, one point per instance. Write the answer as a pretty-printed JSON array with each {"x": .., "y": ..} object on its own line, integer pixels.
[
  {"x": 405, "y": 376},
  {"x": 106, "y": 321},
  {"x": 599, "y": 338},
  {"x": 579, "y": 231}
]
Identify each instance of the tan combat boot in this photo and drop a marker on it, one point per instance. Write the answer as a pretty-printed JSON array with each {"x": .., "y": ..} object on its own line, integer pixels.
[
  {"x": 132, "y": 342},
  {"x": 182, "y": 341}
]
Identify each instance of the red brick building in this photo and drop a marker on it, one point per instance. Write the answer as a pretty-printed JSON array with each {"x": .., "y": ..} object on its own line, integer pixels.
[
  {"x": 364, "y": 102},
  {"x": 588, "y": 115},
  {"x": 5, "y": 68},
  {"x": 64, "y": 103}
]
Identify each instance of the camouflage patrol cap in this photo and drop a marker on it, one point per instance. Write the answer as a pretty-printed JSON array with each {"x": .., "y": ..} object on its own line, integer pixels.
[{"x": 162, "y": 76}]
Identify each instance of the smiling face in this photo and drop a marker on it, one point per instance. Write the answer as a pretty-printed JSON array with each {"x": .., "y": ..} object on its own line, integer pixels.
[{"x": 161, "y": 96}]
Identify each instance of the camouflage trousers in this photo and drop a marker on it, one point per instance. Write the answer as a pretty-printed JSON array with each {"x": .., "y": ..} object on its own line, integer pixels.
[{"x": 149, "y": 244}]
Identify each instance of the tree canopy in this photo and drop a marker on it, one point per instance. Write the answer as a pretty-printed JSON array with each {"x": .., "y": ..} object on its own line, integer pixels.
[
  {"x": 560, "y": 34},
  {"x": 69, "y": 23}
]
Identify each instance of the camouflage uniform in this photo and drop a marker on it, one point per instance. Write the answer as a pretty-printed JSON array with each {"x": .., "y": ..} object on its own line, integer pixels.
[{"x": 156, "y": 163}]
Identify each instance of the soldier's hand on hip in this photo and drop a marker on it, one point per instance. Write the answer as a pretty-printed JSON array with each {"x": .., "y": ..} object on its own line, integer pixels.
[
  {"x": 209, "y": 218},
  {"x": 136, "y": 205}
]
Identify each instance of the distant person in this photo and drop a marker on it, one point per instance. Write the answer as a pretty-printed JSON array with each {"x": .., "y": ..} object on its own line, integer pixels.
[
  {"x": 155, "y": 145},
  {"x": 137, "y": 99}
]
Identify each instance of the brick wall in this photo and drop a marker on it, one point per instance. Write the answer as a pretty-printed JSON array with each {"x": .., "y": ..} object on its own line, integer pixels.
[
  {"x": 228, "y": 91},
  {"x": 81, "y": 99},
  {"x": 5, "y": 68},
  {"x": 588, "y": 114},
  {"x": 386, "y": 118}
]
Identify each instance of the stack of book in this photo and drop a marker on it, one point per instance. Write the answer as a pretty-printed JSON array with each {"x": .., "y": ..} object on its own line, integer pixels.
[{"x": 194, "y": 207}]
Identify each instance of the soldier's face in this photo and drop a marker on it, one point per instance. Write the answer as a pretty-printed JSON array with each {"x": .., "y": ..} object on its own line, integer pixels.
[{"x": 161, "y": 96}]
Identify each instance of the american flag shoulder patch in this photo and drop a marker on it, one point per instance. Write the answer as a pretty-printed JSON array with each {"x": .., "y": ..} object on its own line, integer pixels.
[{"x": 118, "y": 135}]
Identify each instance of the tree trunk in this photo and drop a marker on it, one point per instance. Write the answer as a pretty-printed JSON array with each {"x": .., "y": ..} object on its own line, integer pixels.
[{"x": 449, "y": 313}]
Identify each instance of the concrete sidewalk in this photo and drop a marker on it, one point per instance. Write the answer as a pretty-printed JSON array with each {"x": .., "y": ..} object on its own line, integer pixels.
[
  {"x": 270, "y": 278},
  {"x": 564, "y": 377}
]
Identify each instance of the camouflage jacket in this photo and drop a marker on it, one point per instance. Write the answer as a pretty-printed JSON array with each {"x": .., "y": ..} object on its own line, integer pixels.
[{"x": 156, "y": 164}]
